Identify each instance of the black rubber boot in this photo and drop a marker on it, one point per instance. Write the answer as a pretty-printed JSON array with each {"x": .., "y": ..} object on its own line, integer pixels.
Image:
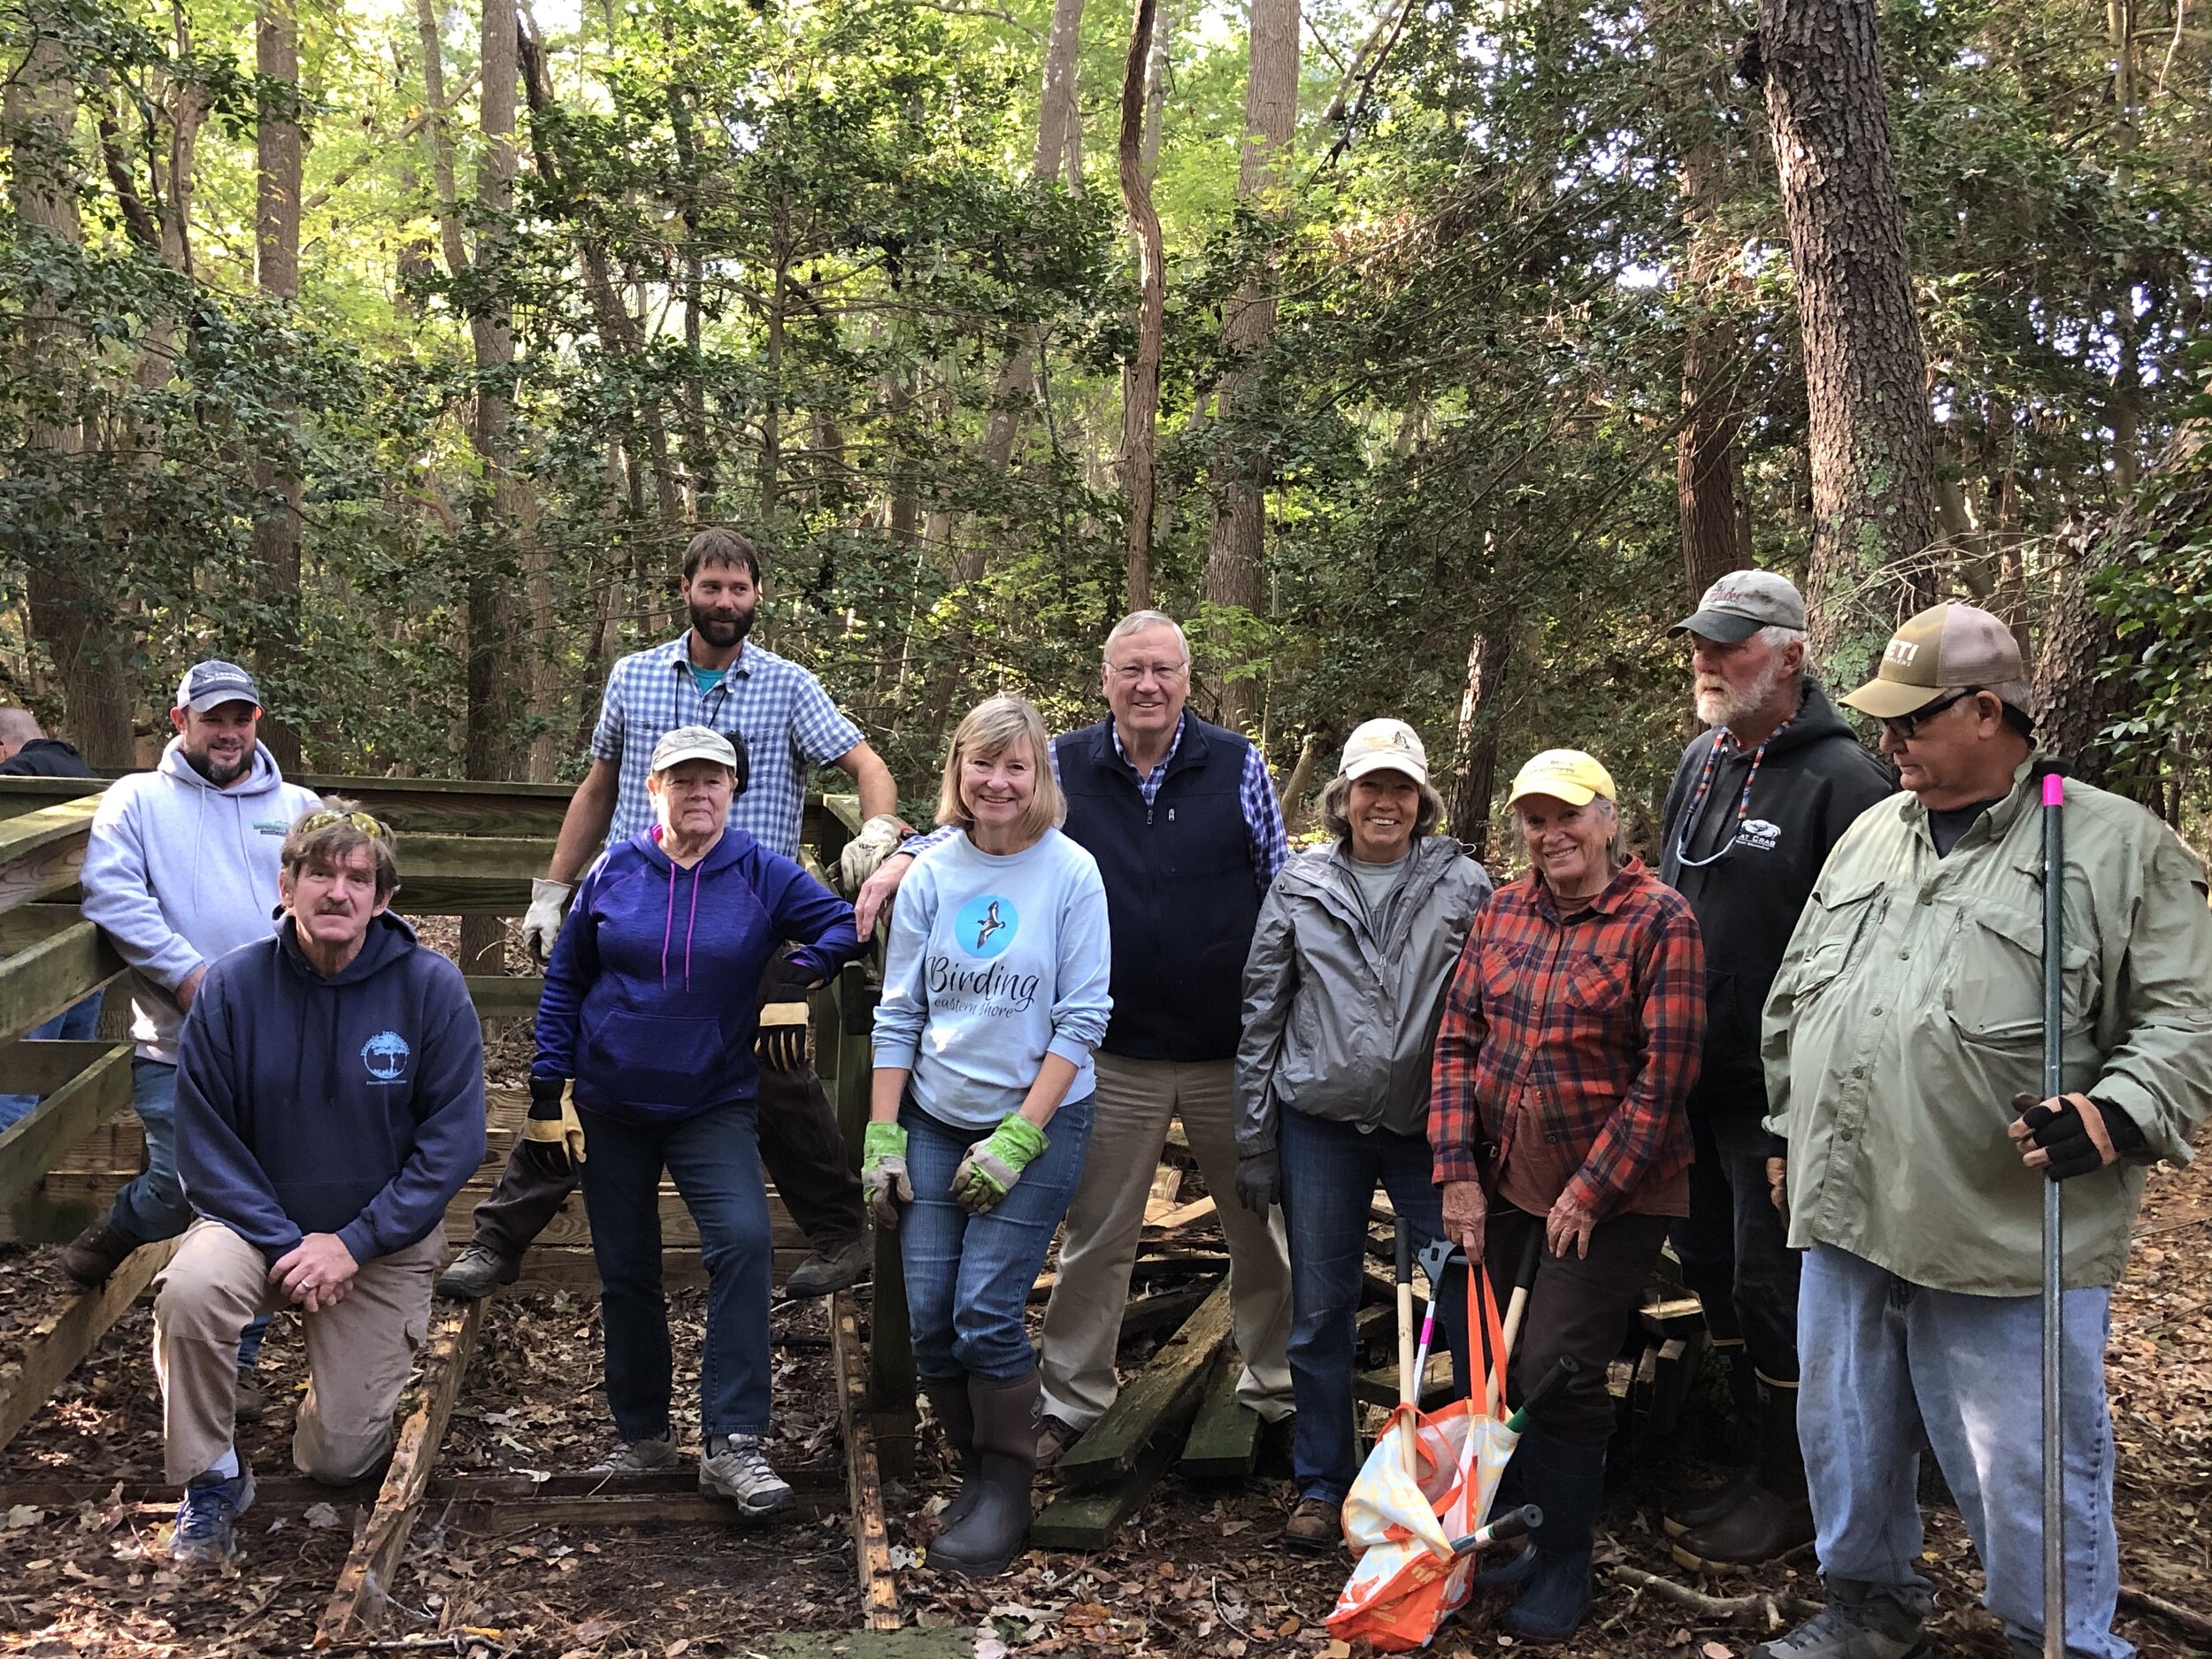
[
  {"x": 948, "y": 1399},
  {"x": 984, "y": 1541},
  {"x": 1774, "y": 1515},
  {"x": 1568, "y": 1483}
]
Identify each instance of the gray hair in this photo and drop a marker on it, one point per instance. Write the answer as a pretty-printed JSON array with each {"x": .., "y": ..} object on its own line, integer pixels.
[
  {"x": 1138, "y": 622},
  {"x": 1329, "y": 807},
  {"x": 1781, "y": 638}
]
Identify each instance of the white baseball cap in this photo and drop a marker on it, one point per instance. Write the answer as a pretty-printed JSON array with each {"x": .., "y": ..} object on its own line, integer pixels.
[
  {"x": 693, "y": 743},
  {"x": 1379, "y": 745}
]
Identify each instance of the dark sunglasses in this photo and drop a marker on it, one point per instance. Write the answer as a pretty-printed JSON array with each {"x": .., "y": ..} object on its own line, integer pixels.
[{"x": 1905, "y": 728}]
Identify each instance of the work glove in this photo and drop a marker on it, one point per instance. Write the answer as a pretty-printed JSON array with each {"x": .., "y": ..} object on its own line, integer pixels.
[
  {"x": 996, "y": 1162},
  {"x": 883, "y": 1180},
  {"x": 2067, "y": 1137},
  {"x": 864, "y": 855},
  {"x": 1260, "y": 1181},
  {"x": 541, "y": 922},
  {"x": 781, "y": 1045},
  {"x": 552, "y": 1136}
]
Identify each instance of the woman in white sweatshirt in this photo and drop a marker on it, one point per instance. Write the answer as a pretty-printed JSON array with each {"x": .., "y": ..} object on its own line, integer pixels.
[{"x": 994, "y": 998}]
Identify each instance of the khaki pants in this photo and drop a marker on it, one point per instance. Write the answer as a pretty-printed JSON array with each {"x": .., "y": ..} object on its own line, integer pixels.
[
  {"x": 358, "y": 1353},
  {"x": 1136, "y": 1101}
]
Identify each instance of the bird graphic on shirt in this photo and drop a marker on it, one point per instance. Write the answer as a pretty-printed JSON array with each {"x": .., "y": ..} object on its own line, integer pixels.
[{"x": 989, "y": 924}]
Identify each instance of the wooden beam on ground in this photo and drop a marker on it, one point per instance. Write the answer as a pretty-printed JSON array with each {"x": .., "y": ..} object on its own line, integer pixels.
[
  {"x": 365, "y": 1582},
  {"x": 1380, "y": 1388},
  {"x": 1163, "y": 1312},
  {"x": 42, "y": 851},
  {"x": 1174, "y": 1220},
  {"x": 1225, "y": 1438},
  {"x": 872, "y": 1541},
  {"x": 1086, "y": 1519},
  {"x": 1166, "y": 1390},
  {"x": 58, "y": 1343},
  {"x": 72, "y": 1109},
  {"x": 54, "y": 957}
]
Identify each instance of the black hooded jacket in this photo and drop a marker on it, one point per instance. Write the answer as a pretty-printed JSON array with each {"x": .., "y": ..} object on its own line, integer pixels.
[
  {"x": 46, "y": 757},
  {"x": 1815, "y": 780}
]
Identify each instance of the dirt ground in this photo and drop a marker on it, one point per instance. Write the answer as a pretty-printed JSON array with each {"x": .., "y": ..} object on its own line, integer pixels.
[{"x": 1199, "y": 1573}]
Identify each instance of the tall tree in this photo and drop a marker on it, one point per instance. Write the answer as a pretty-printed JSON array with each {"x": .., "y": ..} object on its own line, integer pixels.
[
  {"x": 1140, "y": 381},
  {"x": 1715, "y": 533},
  {"x": 276, "y": 529}
]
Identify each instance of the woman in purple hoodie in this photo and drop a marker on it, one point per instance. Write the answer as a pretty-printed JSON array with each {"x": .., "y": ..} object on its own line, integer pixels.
[{"x": 649, "y": 1013}]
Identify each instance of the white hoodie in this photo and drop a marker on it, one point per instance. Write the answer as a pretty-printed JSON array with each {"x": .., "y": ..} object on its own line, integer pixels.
[{"x": 178, "y": 871}]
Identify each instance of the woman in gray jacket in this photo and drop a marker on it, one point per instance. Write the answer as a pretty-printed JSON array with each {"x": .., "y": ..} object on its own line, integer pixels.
[{"x": 1342, "y": 992}]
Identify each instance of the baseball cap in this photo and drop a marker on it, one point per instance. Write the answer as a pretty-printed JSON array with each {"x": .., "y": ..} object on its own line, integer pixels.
[
  {"x": 1945, "y": 647},
  {"x": 693, "y": 743},
  {"x": 1740, "y": 603},
  {"x": 1379, "y": 745},
  {"x": 1567, "y": 773},
  {"x": 207, "y": 684}
]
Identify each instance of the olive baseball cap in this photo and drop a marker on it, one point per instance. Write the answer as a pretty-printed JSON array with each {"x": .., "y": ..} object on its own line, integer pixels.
[
  {"x": 1946, "y": 647},
  {"x": 1376, "y": 745},
  {"x": 1740, "y": 603},
  {"x": 1567, "y": 774}
]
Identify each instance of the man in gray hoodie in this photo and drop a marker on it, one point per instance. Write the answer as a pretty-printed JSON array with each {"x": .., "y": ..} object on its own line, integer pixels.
[{"x": 182, "y": 866}]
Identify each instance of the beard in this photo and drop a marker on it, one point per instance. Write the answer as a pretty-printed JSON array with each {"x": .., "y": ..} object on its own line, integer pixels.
[
  {"x": 223, "y": 774},
  {"x": 720, "y": 632},
  {"x": 1723, "y": 705}
]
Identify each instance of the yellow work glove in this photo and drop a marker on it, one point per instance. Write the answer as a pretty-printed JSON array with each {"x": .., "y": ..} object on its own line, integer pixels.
[{"x": 552, "y": 1139}]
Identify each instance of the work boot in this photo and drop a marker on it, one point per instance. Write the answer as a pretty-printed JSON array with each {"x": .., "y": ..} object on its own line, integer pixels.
[
  {"x": 1316, "y": 1525},
  {"x": 736, "y": 1467},
  {"x": 1775, "y": 1516},
  {"x": 206, "y": 1533},
  {"x": 1568, "y": 1483},
  {"x": 987, "y": 1538},
  {"x": 637, "y": 1457},
  {"x": 948, "y": 1400},
  {"x": 94, "y": 1255},
  {"x": 832, "y": 1267},
  {"x": 477, "y": 1272},
  {"x": 1053, "y": 1436},
  {"x": 1862, "y": 1621},
  {"x": 247, "y": 1402}
]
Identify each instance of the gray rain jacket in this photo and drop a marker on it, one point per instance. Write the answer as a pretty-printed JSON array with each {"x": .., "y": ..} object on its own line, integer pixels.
[{"x": 1339, "y": 1021}]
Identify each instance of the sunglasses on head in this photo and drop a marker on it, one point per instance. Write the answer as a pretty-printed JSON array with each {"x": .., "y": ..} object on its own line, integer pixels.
[{"x": 328, "y": 818}]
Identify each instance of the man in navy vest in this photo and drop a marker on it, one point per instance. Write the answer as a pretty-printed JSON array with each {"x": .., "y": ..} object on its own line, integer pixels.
[{"x": 1183, "y": 821}]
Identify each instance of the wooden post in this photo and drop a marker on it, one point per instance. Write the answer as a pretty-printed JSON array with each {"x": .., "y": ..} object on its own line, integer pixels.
[
  {"x": 871, "y": 1542},
  {"x": 60, "y": 1341}
]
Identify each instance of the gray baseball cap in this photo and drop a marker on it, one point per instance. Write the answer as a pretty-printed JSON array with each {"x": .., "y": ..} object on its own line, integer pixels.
[
  {"x": 206, "y": 684},
  {"x": 1740, "y": 603}
]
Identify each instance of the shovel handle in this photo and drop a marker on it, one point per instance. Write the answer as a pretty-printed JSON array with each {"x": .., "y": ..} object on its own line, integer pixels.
[
  {"x": 1562, "y": 1369},
  {"x": 1500, "y": 1528}
]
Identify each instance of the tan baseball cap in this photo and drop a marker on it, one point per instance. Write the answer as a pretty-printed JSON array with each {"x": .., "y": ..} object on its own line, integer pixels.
[
  {"x": 1565, "y": 774},
  {"x": 693, "y": 743},
  {"x": 1946, "y": 647},
  {"x": 1379, "y": 745}
]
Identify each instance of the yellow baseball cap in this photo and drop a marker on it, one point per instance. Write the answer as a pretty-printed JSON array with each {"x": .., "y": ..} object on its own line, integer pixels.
[{"x": 1567, "y": 774}]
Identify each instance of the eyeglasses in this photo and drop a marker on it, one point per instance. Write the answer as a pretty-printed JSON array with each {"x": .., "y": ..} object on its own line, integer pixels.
[
  {"x": 328, "y": 818},
  {"x": 1905, "y": 728},
  {"x": 1135, "y": 673}
]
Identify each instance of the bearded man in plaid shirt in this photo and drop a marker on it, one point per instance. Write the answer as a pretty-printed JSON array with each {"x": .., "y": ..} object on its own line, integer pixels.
[{"x": 1573, "y": 1031}]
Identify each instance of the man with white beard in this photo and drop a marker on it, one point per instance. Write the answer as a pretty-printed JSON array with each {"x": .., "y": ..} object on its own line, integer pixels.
[{"x": 1756, "y": 803}]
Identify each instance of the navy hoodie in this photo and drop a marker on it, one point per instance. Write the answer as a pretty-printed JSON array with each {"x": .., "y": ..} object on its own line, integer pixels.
[
  {"x": 651, "y": 998},
  {"x": 352, "y": 1105}
]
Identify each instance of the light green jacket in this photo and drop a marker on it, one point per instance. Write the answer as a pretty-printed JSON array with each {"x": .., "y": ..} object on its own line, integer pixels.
[{"x": 1908, "y": 1011}]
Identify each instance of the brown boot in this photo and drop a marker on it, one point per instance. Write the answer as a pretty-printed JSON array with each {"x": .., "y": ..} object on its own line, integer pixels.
[
  {"x": 949, "y": 1400},
  {"x": 1775, "y": 1516}
]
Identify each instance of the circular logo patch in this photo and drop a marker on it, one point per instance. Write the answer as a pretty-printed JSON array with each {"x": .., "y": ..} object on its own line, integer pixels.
[{"x": 987, "y": 925}]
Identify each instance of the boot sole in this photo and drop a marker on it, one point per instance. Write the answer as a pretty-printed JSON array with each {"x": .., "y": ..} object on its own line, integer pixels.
[{"x": 937, "y": 1561}]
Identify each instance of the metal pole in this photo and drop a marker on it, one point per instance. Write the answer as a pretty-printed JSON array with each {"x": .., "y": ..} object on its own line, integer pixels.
[{"x": 2053, "y": 775}]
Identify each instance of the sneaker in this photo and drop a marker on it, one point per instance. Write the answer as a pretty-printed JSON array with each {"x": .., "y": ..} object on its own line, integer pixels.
[
  {"x": 832, "y": 1268},
  {"x": 637, "y": 1457},
  {"x": 1314, "y": 1523},
  {"x": 206, "y": 1532},
  {"x": 95, "y": 1254},
  {"x": 1053, "y": 1436},
  {"x": 247, "y": 1402},
  {"x": 1861, "y": 1621},
  {"x": 476, "y": 1272},
  {"x": 735, "y": 1466}
]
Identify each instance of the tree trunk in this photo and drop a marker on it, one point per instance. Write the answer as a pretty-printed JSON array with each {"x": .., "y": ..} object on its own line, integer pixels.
[
  {"x": 1869, "y": 435},
  {"x": 276, "y": 530},
  {"x": 1234, "y": 551},
  {"x": 1467, "y": 811},
  {"x": 1715, "y": 532},
  {"x": 1141, "y": 382}
]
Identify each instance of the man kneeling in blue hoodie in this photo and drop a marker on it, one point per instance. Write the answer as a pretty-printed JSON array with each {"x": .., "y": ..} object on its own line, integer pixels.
[{"x": 330, "y": 1103}]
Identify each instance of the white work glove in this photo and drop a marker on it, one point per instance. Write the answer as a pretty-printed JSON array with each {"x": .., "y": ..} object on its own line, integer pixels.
[
  {"x": 541, "y": 922},
  {"x": 864, "y": 855}
]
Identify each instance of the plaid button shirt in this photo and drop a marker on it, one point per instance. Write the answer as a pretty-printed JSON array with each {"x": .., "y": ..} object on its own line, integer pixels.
[
  {"x": 789, "y": 725},
  {"x": 1567, "y": 1047}
]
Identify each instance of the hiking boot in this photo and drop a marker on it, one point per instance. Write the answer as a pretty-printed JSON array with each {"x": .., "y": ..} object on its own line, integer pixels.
[
  {"x": 949, "y": 1402},
  {"x": 1862, "y": 1621},
  {"x": 637, "y": 1457},
  {"x": 735, "y": 1466},
  {"x": 1053, "y": 1436},
  {"x": 1314, "y": 1523},
  {"x": 477, "y": 1272},
  {"x": 995, "y": 1529},
  {"x": 1774, "y": 1515},
  {"x": 247, "y": 1402},
  {"x": 94, "y": 1255},
  {"x": 206, "y": 1533},
  {"x": 1568, "y": 1483},
  {"x": 833, "y": 1267}
]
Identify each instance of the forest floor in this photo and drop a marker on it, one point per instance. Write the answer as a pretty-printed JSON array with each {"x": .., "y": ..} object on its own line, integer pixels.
[{"x": 1198, "y": 1572}]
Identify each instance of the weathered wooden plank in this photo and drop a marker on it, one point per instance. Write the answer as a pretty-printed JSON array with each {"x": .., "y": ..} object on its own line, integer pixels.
[
  {"x": 506, "y": 995},
  {"x": 1168, "y": 1384},
  {"x": 1086, "y": 1519},
  {"x": 53, "y": 959},
  {"x": 1176, "y": 1219},
  {"x": 1163, "y": 1312},
  {"x": 872, "y": 1541},
  {"x": 1167, "y": 1181},
  {"x": 1224, "y": 1437},
  {"x": 469, "y": 875},
  {"x": 42, "y": 851},
  {"x": 59, "y": 1343},
  {"x": 364, "y": 1582},
  {"x": 1380, "y": 1388},
  {"x": 448, "y": 806},
  {"x": 67, "y": 1114},
  {"x": 1672, "y": 1317},
  {"x": 43, "y": 1067}
]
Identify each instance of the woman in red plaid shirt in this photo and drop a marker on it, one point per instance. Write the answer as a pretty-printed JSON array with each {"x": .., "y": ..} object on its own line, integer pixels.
[{"x": 1572, "y": 1034}]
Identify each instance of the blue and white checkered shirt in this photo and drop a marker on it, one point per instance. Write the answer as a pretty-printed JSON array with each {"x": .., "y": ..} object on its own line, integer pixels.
[{"x": 789, "y": 725}]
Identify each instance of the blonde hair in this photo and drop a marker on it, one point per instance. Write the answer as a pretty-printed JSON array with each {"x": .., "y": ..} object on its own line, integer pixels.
[{"x": 991, "y": 728}]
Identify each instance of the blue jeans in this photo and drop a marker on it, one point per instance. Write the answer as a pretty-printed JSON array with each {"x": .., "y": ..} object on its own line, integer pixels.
[
  {"x": 714, "y": 1159},
  {"x": 1329, "y": 1175},
  {"x": 78, "y": 1022},
  {"x": 152, "y": 1207},
  {"x": 1882, "y": 1360},
  {"x": 968, "y": 1276}
]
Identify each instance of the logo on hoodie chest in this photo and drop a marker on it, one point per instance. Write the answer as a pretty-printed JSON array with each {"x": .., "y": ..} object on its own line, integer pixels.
[
  {"x": 1759, "y": 832},
  {"x": 385, "y": 1056}
]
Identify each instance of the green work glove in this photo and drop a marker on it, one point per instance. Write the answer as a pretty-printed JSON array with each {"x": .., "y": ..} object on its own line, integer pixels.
[
  {"x": 994, "y": 1163},
  {"x": 883, "y": 1173}
]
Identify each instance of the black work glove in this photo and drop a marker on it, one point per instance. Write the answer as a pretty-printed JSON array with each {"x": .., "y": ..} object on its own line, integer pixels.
[
  {"x": 2068, "y": 1140},
  {"x": 1260, "y": 1181},
  {"x": 552, "y": 1141},
  {"x": 781, "y": 1044}
]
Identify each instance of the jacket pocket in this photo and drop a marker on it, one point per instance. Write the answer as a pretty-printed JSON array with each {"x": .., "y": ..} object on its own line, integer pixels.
[
  {"x": 651, "y": 1059},
  {"x": 1993, "y": 989},
  {"x": 1849, "y": 922}
]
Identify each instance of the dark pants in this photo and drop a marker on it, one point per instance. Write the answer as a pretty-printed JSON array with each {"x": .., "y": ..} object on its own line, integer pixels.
[
  {"x": 1579, "y": 1305},
  {"x": 713, "y": 1160},
  {"x": 1330, "y": 1172},
  {"x": 1734, "y": 1249}
]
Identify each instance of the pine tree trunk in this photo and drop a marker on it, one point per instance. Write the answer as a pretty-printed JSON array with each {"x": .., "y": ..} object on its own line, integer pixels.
[
  {"x": 276, "y": 530},
  {"x": 1715, "y": 533}
]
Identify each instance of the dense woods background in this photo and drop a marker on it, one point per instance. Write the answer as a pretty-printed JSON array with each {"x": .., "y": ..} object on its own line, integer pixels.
[{"x": 398, "y": 347}]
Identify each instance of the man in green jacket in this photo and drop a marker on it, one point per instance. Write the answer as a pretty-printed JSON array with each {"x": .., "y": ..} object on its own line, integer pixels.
[{"x": 1902, "y": 1034}]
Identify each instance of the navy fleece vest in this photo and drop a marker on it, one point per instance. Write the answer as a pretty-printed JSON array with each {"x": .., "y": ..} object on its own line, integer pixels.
[{"x": 1181, "y": 897}]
